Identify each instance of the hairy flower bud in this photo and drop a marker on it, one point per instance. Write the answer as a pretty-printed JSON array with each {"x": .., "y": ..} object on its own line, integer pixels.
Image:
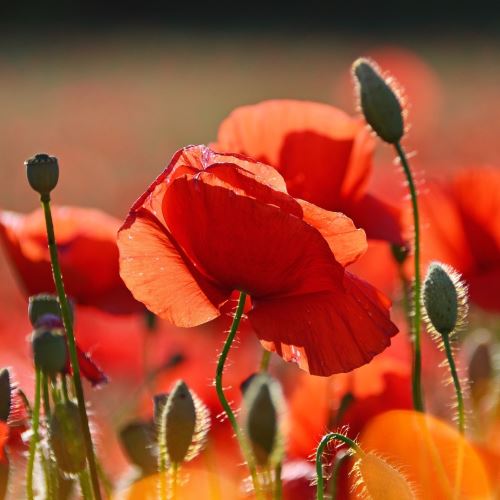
[
  {"x": 42, "y": 171},
  {"x": 5, "y": 394},
  {"x": 445, "y": 298},
  {"x": 378, "y": 101},
  {"x": 138, "y": 440},
  {"x": 66, "y": 437},
  {"x": 50, "y": 351},
  {"x": 263, "y": 404},
  {"x": 183, "y": 425}
]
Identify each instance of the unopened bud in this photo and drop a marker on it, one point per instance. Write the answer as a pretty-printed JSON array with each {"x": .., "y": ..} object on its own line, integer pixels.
[
  {"x": 480, "y": 369},
  {"x": 66, "y": 437},
  {"x": 445, "y": 298},
  {"x": 42, "y": 308},
  {"x": 138, "y": 440},
  {"x": 5, "y": 395},
  {"x": 378, "y": 101},
  {"x": 50, "y": 351},
  {"x": 261, "y": 418},
  {"x": 42, "y": 171},
  {"x": 183, "y": 425}
]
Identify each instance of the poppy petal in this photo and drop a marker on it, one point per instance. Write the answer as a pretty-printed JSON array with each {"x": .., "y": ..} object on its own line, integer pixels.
[
  {"x": 322, "y": 152},
  {"x": 329, "y": 332},
  {"x": 346, "y": 241},
  {"x": 245, "y": 244},
  {"x": 158, "y": 276}
]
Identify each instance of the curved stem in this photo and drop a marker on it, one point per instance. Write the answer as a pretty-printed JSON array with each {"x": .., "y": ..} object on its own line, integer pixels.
[
  {"x": 418, "y": 402},
  {"x": 456, "y": 383},
  {"x": 245, "y": 448},
  {"x": 68, "y": 326},
  {"x": 340, "y": 458},
  {"x": 319, "y": 455},
  {"x": 35, "y": 421}
]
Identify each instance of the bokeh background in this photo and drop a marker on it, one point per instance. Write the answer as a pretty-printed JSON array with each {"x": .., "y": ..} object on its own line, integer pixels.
[{"x": 114, "y": 89}]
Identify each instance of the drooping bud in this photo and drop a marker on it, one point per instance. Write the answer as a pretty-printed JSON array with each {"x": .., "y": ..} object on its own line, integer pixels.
[
  {"x": 263, "y": 408},
  {"x": 66, "y": 437},
  {"x": 43, "y": 308},
  {"x": 42, "y": 171},
  {"x": 50, "y": 351},
  {"x": 379, "y": 480},
  {"x": 445, "y": 299},
  {"x": 183, "y": 425},
  {"x": 5, "y": 394},
  {"x": 139, "y": 442},
  {"x": 378, "y": 101}
]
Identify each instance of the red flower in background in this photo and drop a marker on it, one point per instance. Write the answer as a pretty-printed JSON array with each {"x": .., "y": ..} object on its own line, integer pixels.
[
  {"x": 461, "y": 221},
  {"x": 214, "y": 223},
  {"x": 88, "y": 254},
  {"x": 324, "y": 155}
]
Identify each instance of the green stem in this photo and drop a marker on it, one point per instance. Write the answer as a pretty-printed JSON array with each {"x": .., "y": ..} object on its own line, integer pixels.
[
  {"x": 456, "y": 383},
  {"x": 264, "y": 362},
  {"x": 418, "y": 402},
  {"x": 319, "y": 456},
  {"x": 35, "y": 421},
  {"x": 245, "y": 448},
  {"x": 85, "y": 485},
  {"x": 278, "y": 483},
  {"x": 46, "y": 398},
  {"x": 64, "y": 386},
  {"x": 340, "y": 458},
  {"x": 68, "y": 325}
]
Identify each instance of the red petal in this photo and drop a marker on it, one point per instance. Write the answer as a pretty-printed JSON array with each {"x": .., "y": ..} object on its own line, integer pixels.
[
  {"x": 329, "y": 332},
  {"x": 324, "y": 154},
  {"x": 88, "y": 368},
  {"x": 346, "y": 242},
  {"x": 245, "y": 244},
  {"x": 88, "y": 255}
]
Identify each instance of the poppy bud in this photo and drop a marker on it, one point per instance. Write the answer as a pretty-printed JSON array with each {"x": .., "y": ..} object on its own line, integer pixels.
[
  {"x": 378, "y": 101},
  {"x": 480, "y": 368},
  {"x": 5, "y": 394},
  {"x": 183, "y": 425},
  {"x": 43, "y": 308},
  {"x": 50, "y": 351},
  {"x": 138, "y": 441},
  {"x": 43, "y": 173},
  {"x": 445, "y": 299},
  {"x": 159, "y": 402},
  {"x": 379, "y": 480},
  {"x": 263, "y": 402},
  {"x": 66, "y": 437}
]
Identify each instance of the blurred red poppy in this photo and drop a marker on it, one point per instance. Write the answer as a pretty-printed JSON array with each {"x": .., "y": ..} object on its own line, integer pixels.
[
  {"x": 461, "y": 221},
  {"x": 324, "y": 155},
  {"x": 214, "y": 223},
  {"x": 86, "y": 240}
]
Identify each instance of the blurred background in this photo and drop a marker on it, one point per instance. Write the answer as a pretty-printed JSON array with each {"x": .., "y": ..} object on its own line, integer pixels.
[{"x": 113, "y": 90}]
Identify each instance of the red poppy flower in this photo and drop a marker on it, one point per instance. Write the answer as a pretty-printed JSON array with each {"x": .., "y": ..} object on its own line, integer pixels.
[
  {"x": 212, "y": 223},
  {"x": 88, "y": 255},
  {"x": 461, "y": 221},
  {"x": 324, "y": 155}
]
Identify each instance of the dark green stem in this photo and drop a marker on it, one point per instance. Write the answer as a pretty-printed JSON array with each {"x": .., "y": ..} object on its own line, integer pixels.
[
  {"x": 319, "y": 457},
  {"x": 456, "y": 383},
  {"x": 35, "y": 421},
  {"x": 340, "y": 458},
  {"x": 46, "y": 398},
  {"x": 278, "y": 484},
  {"x": 418, "y": 402},
  {"x": 68, "y": 325},
  {"x": 245, "y": 448}
]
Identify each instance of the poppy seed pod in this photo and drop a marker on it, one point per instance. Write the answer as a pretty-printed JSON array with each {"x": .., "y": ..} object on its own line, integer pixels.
[
  {"x": 50, "y": 351},
  {"x": 445, "y": 299},
  {"x": 42, "y": 304},
  {"x": 66, "y": 437},
  {"x": 42, "y": 171},
  {"x": 183, "y": 425},
  {"x": 261, "y": 418},
  {"x": 378, "y": 102},
  {"x": 138, "y": 441},
  {"x": 5, "y": 394}
]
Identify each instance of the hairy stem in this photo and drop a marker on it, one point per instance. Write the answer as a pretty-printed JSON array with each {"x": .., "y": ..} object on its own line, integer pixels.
[{"x": 35, "y": 422}]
